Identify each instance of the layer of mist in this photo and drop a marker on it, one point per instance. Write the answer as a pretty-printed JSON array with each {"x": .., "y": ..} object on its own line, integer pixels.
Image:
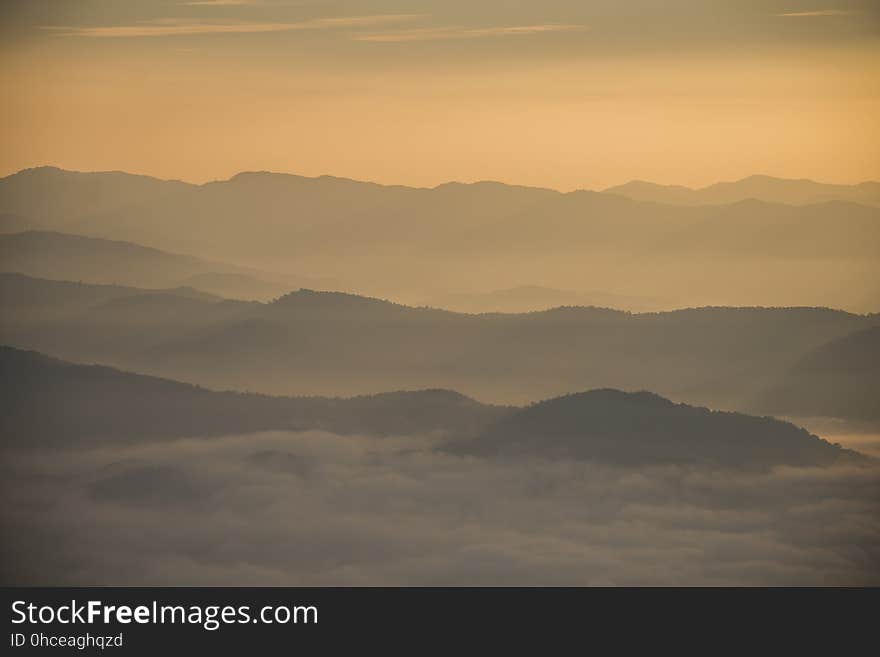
[
  {"x": 309, "y": 343},
  {"x": 320, "y": 509}
]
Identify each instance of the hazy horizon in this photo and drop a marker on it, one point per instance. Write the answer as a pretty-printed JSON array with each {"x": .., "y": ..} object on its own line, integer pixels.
[
  {"x": 441, "y": 183},
  {"x": 560, "y": 94},
  {"x": 755, "y": 242}
]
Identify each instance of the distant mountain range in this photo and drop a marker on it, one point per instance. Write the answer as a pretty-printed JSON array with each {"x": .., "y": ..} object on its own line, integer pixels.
[
  {"x": 762, "y": 188},
  {"x": 57, "y": 197},
  {"x": 332, "y": 343},
  {"x": 107, "y": 299},
  {"x": 46, "y": 401},
  {"x": 759, "y": 241}
]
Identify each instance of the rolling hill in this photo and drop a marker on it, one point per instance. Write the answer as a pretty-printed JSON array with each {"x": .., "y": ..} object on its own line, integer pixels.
[
  {"x": 325, "y": 343},
  {"x": 46, "y": 401}
]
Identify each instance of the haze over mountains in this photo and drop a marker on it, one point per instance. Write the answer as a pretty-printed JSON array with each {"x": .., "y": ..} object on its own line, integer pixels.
[
  {"x": 151, "y": 310},
  {"x": 756, "y": 242},
  {"x": 762, "y": 188},
  {"x": 90, "y": 260},
  {"x": 539, "y": 403},
  {"x": 325, "y": 343},
  {"x": 49, "y": 402},
  {"x": 837, "y": 379}
]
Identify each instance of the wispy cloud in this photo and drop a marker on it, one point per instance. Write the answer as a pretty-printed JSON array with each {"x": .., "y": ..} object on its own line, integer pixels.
[
  {"x": 445, "y": 33},
  {"x": 179, "y": 27},
  {"x": 816, "y": 12}
]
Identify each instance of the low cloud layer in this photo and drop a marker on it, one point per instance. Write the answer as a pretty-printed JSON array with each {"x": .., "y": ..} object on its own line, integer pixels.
[{"x": 320, "y": 509}]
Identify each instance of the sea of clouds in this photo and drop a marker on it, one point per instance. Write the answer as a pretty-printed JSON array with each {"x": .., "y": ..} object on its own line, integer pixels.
[{"x": 314, "y": 508}]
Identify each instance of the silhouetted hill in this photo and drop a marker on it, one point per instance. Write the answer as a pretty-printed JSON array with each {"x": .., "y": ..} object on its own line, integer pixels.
[
  {"x": 764, "y": 188},
  {"x": 643, "y": 428},
  {"x": 315, "y": 342},
  {"x": 333, "y": 343},
  {"x": 48, "y": 401},
  {"x": 53, "y": 197},
  {"x": 80, "y": 320},
  {"x": 839, "y": 379},
  {"x": 74, "y": 257}
]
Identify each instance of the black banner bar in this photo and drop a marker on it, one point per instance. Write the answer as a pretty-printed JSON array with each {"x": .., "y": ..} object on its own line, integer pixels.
[{"x": 410, "y": 620}]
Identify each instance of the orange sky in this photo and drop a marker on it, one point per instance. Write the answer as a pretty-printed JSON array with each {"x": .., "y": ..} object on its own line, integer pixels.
[{"x": 560, "y": 93}]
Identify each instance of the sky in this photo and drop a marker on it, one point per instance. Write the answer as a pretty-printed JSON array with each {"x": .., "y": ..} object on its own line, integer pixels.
[{"x": 558, "y": 93}]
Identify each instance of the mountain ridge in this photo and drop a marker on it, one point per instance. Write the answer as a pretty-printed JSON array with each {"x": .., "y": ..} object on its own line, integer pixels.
[
  {"x": 50, "y": 400},
  {"x": 256, "y": 173},
  {"x": 793, "y": 191},
  {"x": 602, "y": 425},
  {"x": 644, "y": 428},
  {"x": 336, "y": 343}
]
